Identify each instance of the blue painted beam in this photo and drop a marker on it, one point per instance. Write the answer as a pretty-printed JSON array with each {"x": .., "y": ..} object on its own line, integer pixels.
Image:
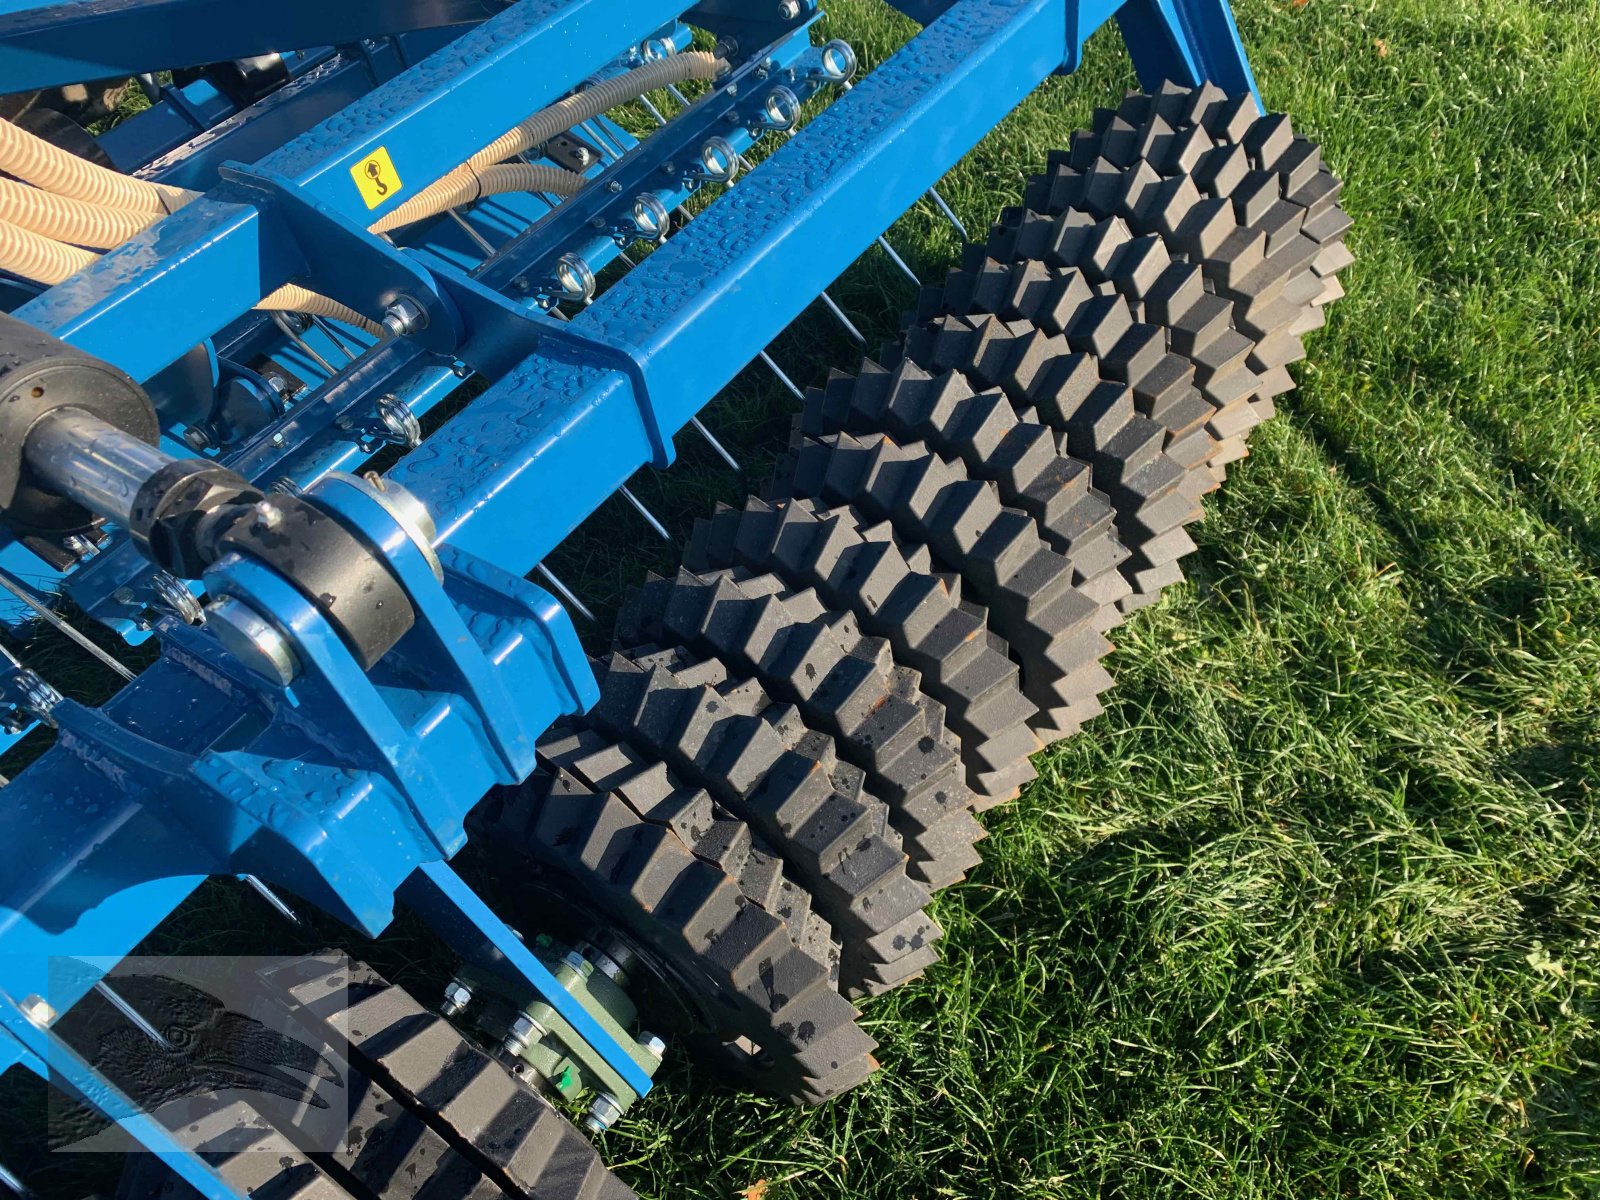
[
  {"x": 32, "y": 1043},
  {"x": 513, "y": 474},
  {"x": 214, "y": 260},
  {"x": 1188, "y": 42},
  {"x": 55, "y": 42}
]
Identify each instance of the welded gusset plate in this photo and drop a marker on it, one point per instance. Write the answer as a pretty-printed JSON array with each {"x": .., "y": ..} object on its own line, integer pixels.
[{"x": 219, "y": 772}]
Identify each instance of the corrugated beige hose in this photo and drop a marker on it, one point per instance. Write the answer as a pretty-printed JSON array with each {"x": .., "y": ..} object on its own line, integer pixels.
[
  {"x": 562, "y": 116},
  {"x": 69, "y": 220},
  {"x": 490, "y": 181},
  {"x": 41, "y": 259},
  {"x": 592, "y": 101},
  {"x": 76, "y": 201},
  {"x": 36, "y": 161},
  {"x": 46, "y": 261}
]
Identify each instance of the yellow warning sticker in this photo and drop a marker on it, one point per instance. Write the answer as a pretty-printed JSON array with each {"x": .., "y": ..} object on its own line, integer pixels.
[{"x": 376, "y": 179}]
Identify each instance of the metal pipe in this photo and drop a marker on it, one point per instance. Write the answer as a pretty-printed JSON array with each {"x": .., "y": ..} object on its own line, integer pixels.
[{"x": 96, "y": 464}]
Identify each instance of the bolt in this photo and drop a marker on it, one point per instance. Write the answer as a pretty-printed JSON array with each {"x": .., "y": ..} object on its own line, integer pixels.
[
  {"x": 405, "y": 317},
  {"x": 123, "y": 595},
  {"x": 653, "y": 1045},
  {"x": 789, "y": 9},
  {"x": 603, "y": 1113},
  {"x": 277, "y": 438},
  {"x": 267, "y": 516},
  {"x": 248, "y": 636},
  {"x": 614, "y": 187},
  {"x": 460, "y": 370},
  {"x": 196, "y": 438},
  {"x": 79, "y": 546},
  {"x": 524, "y": 1029},
  {"x": 38, "y": 1010},
  {"x": 457, "y": 996},
  {"x": 581, "y": 156}
]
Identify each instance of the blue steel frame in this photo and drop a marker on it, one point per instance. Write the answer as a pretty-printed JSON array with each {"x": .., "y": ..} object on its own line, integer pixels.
[{"x": 199, "y": 768}]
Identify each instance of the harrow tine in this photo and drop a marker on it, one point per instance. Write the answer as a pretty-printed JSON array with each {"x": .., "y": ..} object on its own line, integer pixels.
[
  {"x": 478, "y": 239},
  {"x": 722, "y": 451},
  {"x": 849, "y": 326},
  {"x": 745, "y": 165},
  {"x": 950, "y": 213},
  {"x": 50, "y": 616},
  {"x": 782, "y": 378},
  {"x": 565, "y": 593},
  {"x": 644, "y": 512},
  {"x": 332, "y": 334},
  {"x": 272, "y": 898},
  {"x": 650, "y": 107},
  {"x": 898, "y": 261},
  {"x": 132, "y": 1014},
  {"x": 13, "y": 1182},
  {"x": 289, "y": 331}
]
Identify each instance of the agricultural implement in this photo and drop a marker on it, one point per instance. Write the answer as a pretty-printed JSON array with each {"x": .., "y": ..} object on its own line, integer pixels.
[{"x": 313, "y": 362}]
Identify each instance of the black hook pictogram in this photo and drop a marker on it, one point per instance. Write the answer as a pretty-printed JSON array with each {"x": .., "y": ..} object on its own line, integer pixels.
[{"x": 375, "y": 173}]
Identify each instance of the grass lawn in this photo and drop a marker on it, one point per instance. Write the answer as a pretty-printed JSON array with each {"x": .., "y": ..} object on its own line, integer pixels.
[{"x": 1311, "y": 911}]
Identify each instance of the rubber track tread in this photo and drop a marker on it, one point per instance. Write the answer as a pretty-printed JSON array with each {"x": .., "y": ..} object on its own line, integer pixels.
[
  {"x": 762, "y": 985},
  {"x": 708, "y": 830},
  {"x": 1027, "y": 462},
  {"x": 855, "y": 566},
  {"x": 245, "y": 1150},
  {"x": 764, "y": 765},
  {"x": 843, "y": 684},
  {"x": 485, "y": 1120},
  {"x": 1052, "y": 628},
  {"x": 426, "y": 1114}
]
